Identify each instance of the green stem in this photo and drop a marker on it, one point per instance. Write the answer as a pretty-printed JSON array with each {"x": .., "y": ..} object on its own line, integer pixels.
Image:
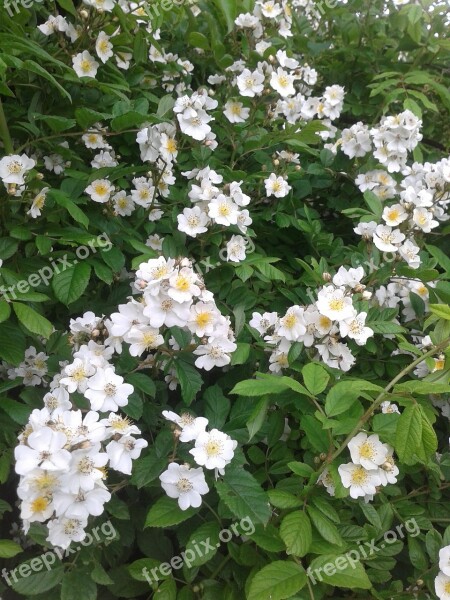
[
  {"x": 4, "y": 132},
  {"x": 380, "y": 398}
]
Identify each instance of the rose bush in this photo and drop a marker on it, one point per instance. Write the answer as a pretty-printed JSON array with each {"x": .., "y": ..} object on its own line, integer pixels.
[{"x": 224, "y": 292}]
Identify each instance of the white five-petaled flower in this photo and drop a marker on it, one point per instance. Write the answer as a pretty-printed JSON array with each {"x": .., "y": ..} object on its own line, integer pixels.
[
  {"x": 236, "y": 112},
  {"x": 100, "y": 190},
  {"x": 250, "y": 83},
  {"x": 368, "y": 451},
  {"x": 185, "y": 484},
  {"x": 444, "y": 560},
  {"x": 44, "y": 449},
  {"x": 106, "y": 391},
  {"x": 282, "y": 82},
  {"x": 334, "y": 304},
  {"x": 213, "y": 449},
  {"x": 360, "y": 480},
  {"x": 85, "y": 65},
  {"x": 13, "y": 168},
  {"x": 103, "y": 47},
  {"x": 276, "y": 186},
  {"x": 123, "y": 451}
]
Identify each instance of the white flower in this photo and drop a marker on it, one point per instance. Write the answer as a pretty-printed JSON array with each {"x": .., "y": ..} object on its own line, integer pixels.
[
  {"x": 193, "y": 221},
  {"x": 223, "y": 210},
  {"x": 350, "y": 277},
  {"x": 85, "y": 65},
  {"x": 100, "y": 190},
  {"x": 44, "y": 449},
  {"x": 106, "y": 391},
  {"x": 155, "y": 242},
  {"x": 366, "y": 230},
  {"x": 213, "y": 449},
  {"x": 385, "y": 237},
  {"x": 444, "y": 560},
  {"x": 85, "y": 469},
  {"x": 164, "y": 310},
  {"x": 236, "y": 248},
  {"x": 326, "y": 480},
  {"x": 235, "y": 112},
  {"x": 38, "y": 203},
  {"x": 355, "y": 329},
  {"x": 423, "y": 218},
  {"x": 168, "y": 147},
  {"x": 183, "y": 285},
  {"x": 394, "y": 215},
  {"x": 410, "y": 252},
  {"x": 388, "y": 407},
  {"x": 122, "y": 452},
  {"x": 293, "y": 325},
  {"x": 334, "y": 304},
  {"x": 282, "y": 82},
  {"x": 142, "y": 339},
  {"x": 62, "y": 531},
  {"x": 195, "y": 123},
  {"x": 262, "y": 322},
  {"x": 13, "y": 168},
  {"x": 36, "y": 508},
  {"x": 202, "y": 318},
  {"x": 190, "y": 426},
  {"x": 186, "y": 484},
  {"x": 123, "y": 204},
  {"x": 368, "y": 451},
  {"x": 442, "y": 586},
  {"x": 250, "y": 83},
  {"x": 103, "y": 47},
  {"x": 359, "y": 480},
  {"x": 77, "y": 375},
  {"x": 214, "y": 353},
  {"x": 276, "y": 186},
  {"x": 81, "y": 504}
]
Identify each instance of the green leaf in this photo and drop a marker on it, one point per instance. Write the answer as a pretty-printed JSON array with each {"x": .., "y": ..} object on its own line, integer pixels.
[
  {"x": 409, "y": 432},
  {"x": 279, "y": 580},
  {"x": 32, "y": 320},
  {"x": 69, "y": 285},
  {"x": 283, "y": 499},
  {"x": 38, "y": 583},
  {"x": 296, "y": 532},
  {"x": 315, "y": 378},
  {"x": 190, "y": 380},
  {"x": 146, "y": 469},
  {"x": 441, "y": 310},
  {"x": 34, "y": 67},
  {"x": 142, "y": 382},
  {"x": 166, "y": 512},
  {"x": 338, "y": 570},
  {"x": 243, "y": 495},
  {"x": 301, "y": 469},
  {"x": 5, "y": 310},
  {"x": 208, "y": 532},
  {"x": 12, "y": 347},
  {"x": 324, "y": 526},
  {"x": 8, "y": 549},
  {"x": 74, "y": 211},
  {"x": 68, "y": 6},
  {"x": 136, "y": 568},
  {"x": 217, "y": 406},
  {"x": 342, "y": 395},
  {"x": 77, "y": 584},
  {"x": 258, "y": 417},
  {"x": 267, "y": 384}
]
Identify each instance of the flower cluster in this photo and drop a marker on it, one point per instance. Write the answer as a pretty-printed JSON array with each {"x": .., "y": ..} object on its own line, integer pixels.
[
  {"x": 212, "y": 450},
  {"x": 63, "y": 455},
  {"x": 372, "y": 466},
  {"x": 320, "y": 325},
  {"x": 173, "y": 295},
  {"x": 32, "y": 369}
]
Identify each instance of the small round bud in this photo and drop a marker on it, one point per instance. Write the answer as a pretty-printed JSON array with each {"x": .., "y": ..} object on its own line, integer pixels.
[
  {"x": 84, "y": 14},
  {"x": 317, "y": 460},
  {"x": 39, "y": 176},
  {"x": 322, "y": 456},
  {"x": 366, "y": 295},
  {"x": 276, "y": 162},
  {"x": 12, "y": 187},
  {"x": 419, "y": 582},
  {"x": 359, "y": 287},
  {"x": 326, "y": 276},
  {"x": 298, "y": 168}
]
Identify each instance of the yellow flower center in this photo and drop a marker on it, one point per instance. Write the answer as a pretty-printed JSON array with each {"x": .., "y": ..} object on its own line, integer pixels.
[
  {"x": 101, "y": 189},
  {"x": 171, "y": 145},
  {"x": 39, "y": 504},
  {"x": 85, "y": 65},
  {"x": 359, "y": 476},
  {"x": 203, "y": 319},
  {"x": 213, "y": 448},
  {"x": 366, "y": 451},
  {"x": 336, "y": 304},
  {"x": 182, "y": 283}
]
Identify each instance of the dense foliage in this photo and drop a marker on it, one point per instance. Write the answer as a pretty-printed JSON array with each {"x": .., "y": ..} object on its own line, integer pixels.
[{"x": 224, "y": 288}]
